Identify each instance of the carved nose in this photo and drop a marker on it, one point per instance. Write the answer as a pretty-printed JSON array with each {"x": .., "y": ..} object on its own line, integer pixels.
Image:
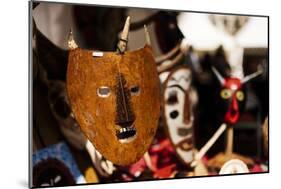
[
  {"x": 124, "y": 113},
  {"x": 125, "y": 124},
  {"x": 186, "y": 110}
]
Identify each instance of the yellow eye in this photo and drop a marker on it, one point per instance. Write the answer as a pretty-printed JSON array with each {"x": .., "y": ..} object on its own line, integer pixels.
[
  {"x": 240, "y": 95},
  {"x": 225, "y": 93}
]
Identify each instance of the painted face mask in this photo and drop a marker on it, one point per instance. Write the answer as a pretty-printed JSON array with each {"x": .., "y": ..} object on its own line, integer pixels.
[
  {"x": 115, "y": 98},
  {"x": 233, "y": 99},
  {"x": 178, "y": 112},
  {"x": 232, "y": 96}
]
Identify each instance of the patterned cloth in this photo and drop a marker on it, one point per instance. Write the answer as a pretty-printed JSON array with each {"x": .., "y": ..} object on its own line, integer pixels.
[{"x": 63, "y": 159}]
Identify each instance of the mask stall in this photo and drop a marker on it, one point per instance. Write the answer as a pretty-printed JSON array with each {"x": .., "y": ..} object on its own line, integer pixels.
[{"x": 185, "y": 104}]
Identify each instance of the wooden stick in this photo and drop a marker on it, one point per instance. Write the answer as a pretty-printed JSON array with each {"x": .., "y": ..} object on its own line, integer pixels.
[
  {"x": 104, "y": 167},
  {"x": 209, "y": 144},
  {"x": 170, "y": 63},
  {"x": 229, "y": 141},
  {"x": 148, "y": 162},
  {"x": 168, "y": 55}
]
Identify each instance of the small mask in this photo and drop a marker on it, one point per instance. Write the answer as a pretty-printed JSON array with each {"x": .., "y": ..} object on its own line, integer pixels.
[
  {"x": 115, "y": 97},
  {"x": 232, "y": 96},
  {"x": 178, "y": 112}
]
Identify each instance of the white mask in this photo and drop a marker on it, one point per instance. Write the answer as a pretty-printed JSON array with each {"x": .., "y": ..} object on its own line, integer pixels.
[{"x": 178, "y": 112}]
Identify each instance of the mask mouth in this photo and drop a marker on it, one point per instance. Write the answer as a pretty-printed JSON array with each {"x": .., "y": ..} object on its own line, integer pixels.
[
  {"x": 233, "y": 112},
  {"x": 232, "y": 116},
  {"x": 186, "y": 144},
  {"x": 126, "y": 134}
]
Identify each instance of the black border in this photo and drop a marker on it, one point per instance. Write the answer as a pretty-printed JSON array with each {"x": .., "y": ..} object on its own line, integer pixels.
[
  {"x": 30, "y": 95},
  {"x": 30, "y": 90}
]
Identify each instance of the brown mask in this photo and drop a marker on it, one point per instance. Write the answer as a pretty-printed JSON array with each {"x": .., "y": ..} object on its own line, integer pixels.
[{"x": 115, "y": 98}]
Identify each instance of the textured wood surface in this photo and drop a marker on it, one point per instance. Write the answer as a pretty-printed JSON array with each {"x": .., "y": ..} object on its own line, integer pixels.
[{"x": 97, "y": 115}]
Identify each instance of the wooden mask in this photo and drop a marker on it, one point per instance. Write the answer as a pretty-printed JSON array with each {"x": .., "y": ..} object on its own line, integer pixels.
[
  {"x": 178, "y": 112},
  {"x": 115, "y": 97}
]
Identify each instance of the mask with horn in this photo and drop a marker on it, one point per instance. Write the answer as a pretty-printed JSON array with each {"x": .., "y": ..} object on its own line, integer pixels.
[
  {"x": 115, "y": 97},
  {"x": 232, "y": 95}
]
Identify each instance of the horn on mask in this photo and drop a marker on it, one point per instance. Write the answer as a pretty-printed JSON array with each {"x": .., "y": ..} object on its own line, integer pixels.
[
  {"x": 218, "y": 75},
  {"x": 253, "y": 75},
  {"x": 71, "y": 42},
  {"x": 147, "y": 37},
  {"x": 122, "y": 44}
]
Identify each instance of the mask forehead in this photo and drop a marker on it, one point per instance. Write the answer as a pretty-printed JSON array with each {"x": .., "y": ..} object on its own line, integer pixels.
[
  {"x": 232, "y": 83},
  {"x": 181, "y": 77},
  {"x": 113, "y": 96}
]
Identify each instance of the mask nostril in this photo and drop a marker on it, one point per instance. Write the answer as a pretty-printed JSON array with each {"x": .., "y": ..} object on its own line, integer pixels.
[{"x": 174, "y": 114}]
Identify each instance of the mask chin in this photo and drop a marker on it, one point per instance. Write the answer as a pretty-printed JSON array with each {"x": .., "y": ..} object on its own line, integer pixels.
[
  {"x": 185, "y": 149},
  {"x": 187, "y": 156}
]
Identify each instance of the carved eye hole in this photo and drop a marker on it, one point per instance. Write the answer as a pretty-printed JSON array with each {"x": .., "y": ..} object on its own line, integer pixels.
[
  {"x": 135, "y": 90},
  {"x": 173, "y": 98},
  {"x": 174, "y": 114},
  {"x": 103, "y": 92}
]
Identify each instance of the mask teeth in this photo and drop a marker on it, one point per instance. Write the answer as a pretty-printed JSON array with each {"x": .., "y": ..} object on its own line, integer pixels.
[
  {"x": 126, "y": 129},
  {"x": 122, "y": 44}
]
